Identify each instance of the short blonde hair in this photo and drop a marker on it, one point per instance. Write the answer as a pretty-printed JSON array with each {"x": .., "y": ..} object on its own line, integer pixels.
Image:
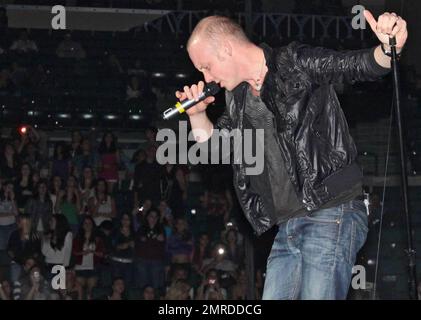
[{"x": 215, "y": 27}]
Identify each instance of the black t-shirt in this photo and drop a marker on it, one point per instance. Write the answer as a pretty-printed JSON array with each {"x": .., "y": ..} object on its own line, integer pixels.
[{"x": 287, "y": 203}]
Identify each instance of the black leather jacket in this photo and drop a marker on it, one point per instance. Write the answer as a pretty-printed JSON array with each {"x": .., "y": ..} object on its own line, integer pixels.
[{"x": 318, "y": 151}]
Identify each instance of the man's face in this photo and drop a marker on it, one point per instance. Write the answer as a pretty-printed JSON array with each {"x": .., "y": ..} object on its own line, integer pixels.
[{"x": 215, "y": 63}]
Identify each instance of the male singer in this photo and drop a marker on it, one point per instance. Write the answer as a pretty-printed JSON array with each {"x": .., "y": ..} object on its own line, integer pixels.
[{"x": 311, "y": 185}]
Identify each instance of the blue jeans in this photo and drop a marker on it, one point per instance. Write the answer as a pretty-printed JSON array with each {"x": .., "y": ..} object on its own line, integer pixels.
[
  {"x": 5, "y": 232},
  {"x": 312, "y": 256},
  {"x": 150, "y": 272},
  {"x": 123, "y": 270}
]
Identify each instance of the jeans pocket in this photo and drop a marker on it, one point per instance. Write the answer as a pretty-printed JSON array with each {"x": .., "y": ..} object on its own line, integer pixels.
[
  {"x": 331, "y": 215},
  {"x": 359, "y": 232}
]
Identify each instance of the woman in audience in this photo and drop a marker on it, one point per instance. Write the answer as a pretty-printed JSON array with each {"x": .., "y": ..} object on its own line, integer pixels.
[
  {"x": 23, "y": 243},
  {"x": 150, "y": 251},
  {"x": 88, "y": 251},
  {"x": 9, "y": 162},
  {"x": 57, "y": 244},
  {"x": 86, "y": 188},
  {"x": 23, "y": 186},
  {"x": 148, "y": 293},
  {"x": 118, "y": 290},
  {"x": 40, "y": 208},
  {"x": 123, "y": 253},
  {"x": 61, "y": 165},
  {"x": 56, "y": 190},
  {"x": 102, "y": 206},
  {"x": 235, "y": 250},
  {"x": 39, "y": 288},
  {"x": 109, "y": 160},
  {"x": 68, "y": 204},
  {"x": 202, "y": 251},
  {"x": 8, "y": 213},
  {"x": 180, "y": 244}
]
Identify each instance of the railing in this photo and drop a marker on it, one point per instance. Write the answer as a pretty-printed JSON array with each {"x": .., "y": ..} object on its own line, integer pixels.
[{"x": 266, "y": 24}]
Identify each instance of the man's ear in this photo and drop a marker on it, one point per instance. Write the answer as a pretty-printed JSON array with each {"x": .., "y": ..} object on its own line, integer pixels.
[{"x": 225, "y": 50}]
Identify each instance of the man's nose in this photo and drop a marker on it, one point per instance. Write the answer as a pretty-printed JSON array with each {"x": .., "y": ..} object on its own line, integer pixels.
[{"x": 208, "y": 77}]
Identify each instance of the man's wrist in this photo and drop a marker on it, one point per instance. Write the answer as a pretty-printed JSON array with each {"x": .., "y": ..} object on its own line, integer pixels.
[{"x": 388, "y": 48}]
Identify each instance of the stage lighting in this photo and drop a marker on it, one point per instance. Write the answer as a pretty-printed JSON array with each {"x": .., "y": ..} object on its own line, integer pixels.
[
  {"x": 63, "y": 115},
  {"x": 158, "y": 74},
  {"x": 134, "y": 117}
]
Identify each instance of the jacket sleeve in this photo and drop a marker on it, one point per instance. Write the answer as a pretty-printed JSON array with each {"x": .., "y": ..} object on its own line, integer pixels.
[
  {"x": 222, "y": 130},
  {"x": 325, "y": 66}
]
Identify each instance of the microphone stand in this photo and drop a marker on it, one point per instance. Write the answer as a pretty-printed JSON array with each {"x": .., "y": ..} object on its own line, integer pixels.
[{"x": 410, "y": 252}]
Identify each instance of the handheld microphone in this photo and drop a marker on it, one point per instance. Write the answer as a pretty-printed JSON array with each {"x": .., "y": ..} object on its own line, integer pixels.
[{"x": 210, "y": 89}]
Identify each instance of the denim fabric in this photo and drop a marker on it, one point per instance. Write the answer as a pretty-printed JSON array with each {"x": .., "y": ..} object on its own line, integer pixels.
[
  {"x": 5, "y": 232},
  {"x": 150, "y": 272},
  {"x": 125, "y": 271},
  {"x": 312, "y": 256}
]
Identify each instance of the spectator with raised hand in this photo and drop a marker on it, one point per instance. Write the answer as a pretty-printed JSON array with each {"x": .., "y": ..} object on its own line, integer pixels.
[
  {"x": 40, "y": 208},
  {"x": 39, "y": 288},
  {"x": 150, "y": 251},
  {"x": 8, "y": 213},
  {"x": 23, "y": 186},
  {"x": 88, "y": 250},
  {"x": 57, "y": 244},
  {"x": 123, "y": 252},
  {"x": 102, "y": 206},
  {"x": 5, "y": 290},
  {"x": 23, "y": 243},
  {"x": 31, "y": 136},
  {"x": 68, "y": 203},
  {"x": 109, "y": 159},
  {"x": 31, "y": 155}
]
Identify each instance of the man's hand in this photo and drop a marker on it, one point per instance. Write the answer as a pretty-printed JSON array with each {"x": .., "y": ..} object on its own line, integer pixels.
[
  {"x": 193, "y": 92},
  {"x": 387, "y": 26}
]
